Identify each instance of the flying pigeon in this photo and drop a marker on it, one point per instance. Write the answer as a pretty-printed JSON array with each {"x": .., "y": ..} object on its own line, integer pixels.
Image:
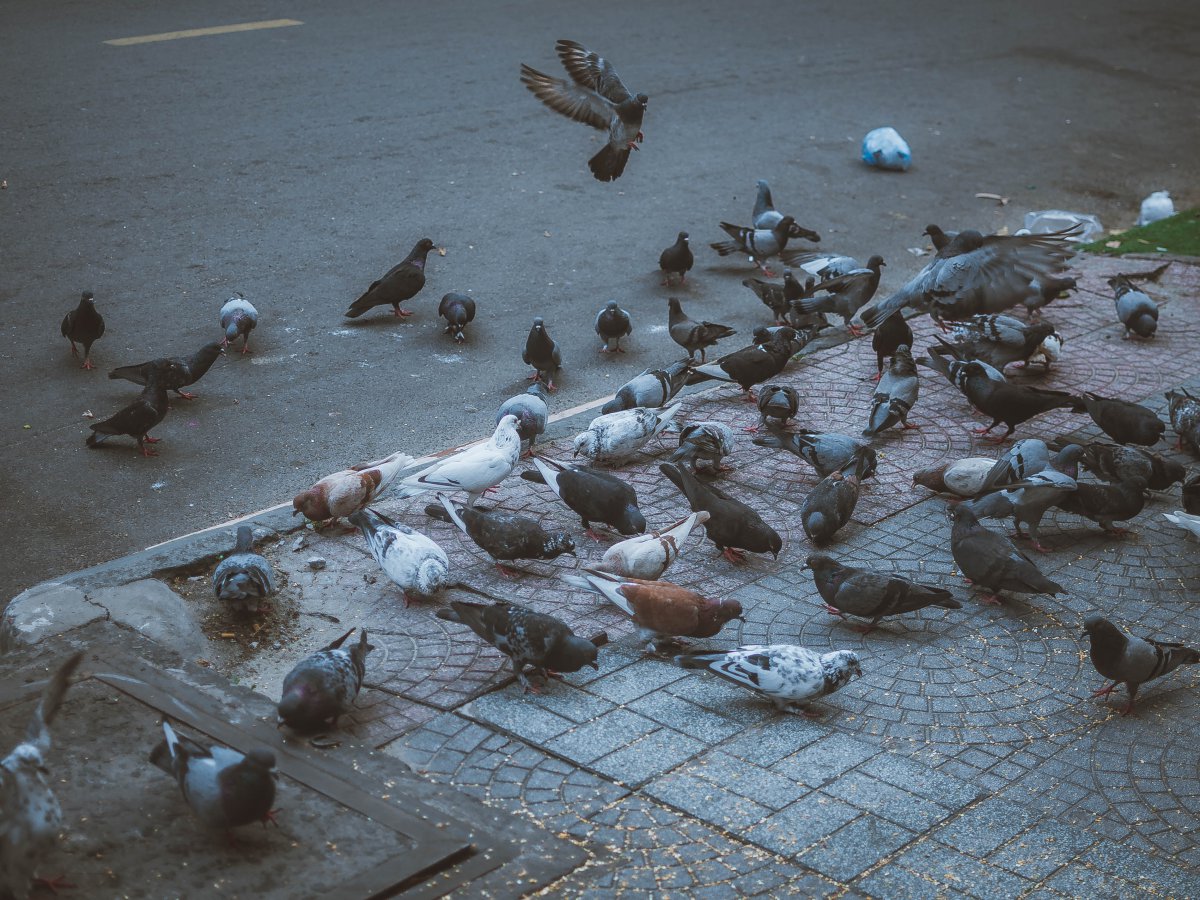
[
  {"x": 593, "y": 496},
  {"x": 708, "y": 441},
  {"x": 1107, "y": 503},
  {"x": 825, "y": 452},
  {"x": 990, "y": 560},
  {"x": 647, "y": 556},
  {"x": 676, "y": 259},
  {"x": 83, "y": 325},
  {"x": 612, "y": 324},
  {"x": 412, "y": 561},
  {"x": 244, "y": 578},
  {"x": 30, "y": 816},
  {"x": 765, "y": 215},
  {"x": 1184, "y": 413},
  {"x": 349, "y": 490},
  {"x": 895, "y": 394},
  {"x": 751, "y": 365},
  {"x": 732, "y": 525},
  {"x": 137, "y": 418},
  {"x": 223, "y": 787},
  {"x": 829, "y": 505},
  {"x": 176, "y": 372},
  {"x": 693, "y": 336},
  {"x": 1130, "y": 660},
  {"x": 459, "y": 311},
  {"x": 543, "y": 354},
  {"x": 505, "y": 537},
  {"x": 963, "y": 477},
  {"x": 783, "y": 673},
  {"x": 652, "y": 388},
  {"x": 238, "y": 318},
  {"x": 402, "y": 282},
  {"x": 999, "y": 340},
  {"x": 761, "y": 244},
  {"x": 872, "y": 595},
  {"x": 846, "y": 294},
  {"x": 1124, "y": 422},
  {"x": 776, "y": 401},
  {"x": 1135, "y": 310},
  {"x": 615, "y": 437},
  {"x": 474, "y": 470},
  {"x": 324, "y": 685},
  {"x": 595, "y": 96},
  {"x": 532, "y": 412},
  {"x": 526, "y": 637}
]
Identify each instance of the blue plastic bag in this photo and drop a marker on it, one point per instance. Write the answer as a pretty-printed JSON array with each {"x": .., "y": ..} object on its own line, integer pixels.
[{"x": 885, "y": 149}]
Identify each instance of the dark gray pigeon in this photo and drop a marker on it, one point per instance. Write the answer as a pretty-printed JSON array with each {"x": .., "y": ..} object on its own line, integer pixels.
[
  {"x": 751, "y": 365},
  {"x": 708, "y": 441},
  {"x": 505, "y": 537},
  {"x": 1184, "y": 413},
  {"x": 176, "y": 372},
  {"x": 676, "y": 259},
  {"x": 1124, "y": 422},
  {"x": 1189, "y": 494},
  {"x": 1115, "y": 462},
  {"x": 829, "y": 505},
  {"x": 732, "y": 525},
  {"x": 951, "y": 361},
  {"x": 779, "y": 298},
  {"x": 83, "y": 325},
  {"x": 999, "y": 340},
  {"x": 690, "y": 335},
  {"x": 1126, "y": 659},
  {"x": 531, "y": 410},
  {"x": 1027, "y": 500},
  {"x": 323, "y": 686},
  {"x": 893, "y": 332},
  {"x": 612, "y": 324},
  {"x": 402, "y": 282},
  {"x": 652, "y": 388},
  {"x": 872, "y": 595},
  {"x": 244, "y": 579},
  {"x": 895, "y": 394},
  {"x": 595, "y": 96},
  {"x": 1107, "y": 503},
  {"x": 543, "y": 354},
  {"x": 990, "y": 560},
  {"x": 593, "y": 496},
  {"x": 137, "y": 418},
  {"x": 776, "y": 401},
  {"x": 1043, "y": 291},
  {"x": 846, "y": 294},
  {"x": 1135, "y": 310},
  {"x": 761, "y": 244},
  {"x": 825, "y": 451},
  {"x": 238, "y": 318},
  {"x": 458, "y": 310},
  {"x": 937, "y": 237}
]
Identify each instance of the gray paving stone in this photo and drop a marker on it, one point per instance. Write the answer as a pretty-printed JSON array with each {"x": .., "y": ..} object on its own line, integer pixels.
[
  {"x": 526, "y": 720},
  {"x": 802, "y": 824},
  {"x": 707, "y": 802},
  {"x": 1147, "y": 872},
  {"x": 851, "y": 850},
  {"x": 1081, "y": 881},
  {"x": 648, "y": 756},
  {"x": 586, "y": 743},
  {"x": 983, "y": 828},
  {"x": 961, "y": 873},
  {"x": 1042, "y": 850},
  {"x": 747, "y": 780},
  {"x": 870, "y": 794},
  {"x": 950, "y": 792},
  {"x": 634, "y": 680},
  {"x": 767, "y": 745},
  {"x": 824, "y": 759},
  {"x": 683, "y": 715},
  {"x": 895, "y": 883}
]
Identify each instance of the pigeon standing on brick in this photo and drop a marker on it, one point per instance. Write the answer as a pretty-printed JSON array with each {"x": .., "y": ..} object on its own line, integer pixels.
[
  {"x": 895, "y": 394},
  {"x": 647, "y": 556},
  {"x": 402, "y": 282},
  {"x": 137, "y": 418},
  {"x": 1135, "y": 310},
  {"x": 1184, "y": 413},
  {"x": 652, "y": 388},
  {"x": 990, "y": 560},
  {"x": 872, "y": 595},
  {"x": 532, "y": 411},
  {"x": 893, "y": 332},
  {"x": 349, "y": 490},
  {"x": 475, "y": 470},
  {"x": 176, "y": 372},
  {"x": 595, "y": 96},
  {"x": 593, "y": 496},
  {"x": 543, "y": 354},
  {"x": 1124, "y": 422},
  {"x": 826, "y": 452},
  {"x": 829, "y": 505},
  {"x": 505, "y": 537},
  {"x": 732, "y": 525},
  {"x": 676, "y": 259},
  {"x": 751, "y": 365},
  {"x": 614, "y": 437},
  {"x": 785, "y": 674},
  {"x": 1105, "y": 504},
  {"x": 459, "y": 311},
  {"x": 1130, "y": 660},
  {"x": 414, "y": 563},
  {"x": 323, "y": 686},
  {"x": 1011, "y": 404},
  {"x": 1115, "y": 462},
  {"x": 83, "y": 325},
  {"x": 1024, "y": 458},
  {"x": 776, "y": 401},
  {"x": 244, "y": 579},
  {"x": 1028, "y": 499},
  {"x": 761, "y": 244},
  {"x": 30, "y": 815},
  {"x": 612, "y": 324},
  {"x": 949, "y": 361},
  {"x": 708, "y": 441},
  {"x": 238, "y": 318},
  {"x": 846, "y": 294},
  {"x": 690, "y": 335}
]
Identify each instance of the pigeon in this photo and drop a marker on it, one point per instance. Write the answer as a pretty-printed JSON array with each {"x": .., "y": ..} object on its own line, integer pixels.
[
  {"x": 244, "y": 579},
  {"x": 751, "y": 365},
  {"x": 1187, "y": 521},
  {"x": 526, "y": 637},
  {"x": 825, "y": 266},
  {"x": 224, "y": 787},
  {"x": 324, "y": 685},
  {"x": 459, "y": 311},
  {"x": 895, "y": 394},
  {"x": 614, "y": 437},
  {"x": 532, "y": 412},
  {"x": 872, "y": 595},
  {"x": 761, "y": 244},
  {"x": 990, "y": 560},
  {"x": 954, "y": 369},
  {"x": 238, "y": 318},
  {"x": 708, "y": 441},
  {"x": 1135, "y": 310},
  {"x": 1042, "y": 291},
  {"x": 1048, "y": 352},
  {"x": 676, "y": 259},
  {"x": 612, "y": 324},
  {"x": 652, "y": 388},
  {"x": 647, "y": 556},
  {"x": 1189, "y": 494},
  {"x": 847, "y": 294},
  {"x": 1027, "y": 500},
  {"x": 349, "y": 490},
  {"x": 765, "y": 215},
  {"x": 824, "y": 451},
  {"x": 177, "y": 372},
  {"x": 937, "y": 237},
  {"x": 543, "y": 354},
  {"x": 595, "y": 96},
  {"x": 475, "y": 469},
  {"x": 412, "y": 561},
  {"x": 1130, "y": 660},
  {"x": 779, "y": 298},
  {"x": 999, "y": 340},
  {"x": 783, "y": 673},
  {"x": 1011, "y": 404},
  {"x": 1114, "y": 462},
  {"x": 593, "y": 496},
  {"x": 776, "y": 401},
  {"x": 402, "y": 282},
  {"x": 1124, "y": 422},
  {"x": 1107, "y": 503},
  {"x": 791, "y": 340},
  {"x": 732, "y": 525},
  {"x": 1024, "y": 458},
  {"x": 83, "y": 325},
  {"x": 137, "y": 418},
  {"x": 893, "y": 332},
  {"x": 963, "y": 477},
  {"x": 664, "y": 613},
  {"x": 503, "y": 536},
  {"x": 693, "y": 336},
  {"x": 30, "y": 816},
  {"x": 1184, "y": 413},
  {"x": 829, "y": 505}
]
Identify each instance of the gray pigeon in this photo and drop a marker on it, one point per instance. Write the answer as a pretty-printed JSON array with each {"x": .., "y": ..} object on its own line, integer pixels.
[
  {"x": 614, "y": 437},
  {"x": 1027, "y": 500},
  {"x": 30, "y": 817},
  {"x": 895, "y": 394},
  {"x": 1042, "y": 291},
  {"x": 761, "y": 244},
  {"x": 458, "y": 310},
  {"x": 824, "y": 451},
  {"x": 778, "y": 298},
  {"x": 676, "y": 259},
  {"x": 324, "y": 685},
  {"x": 1123, "y": 421},
  {"x": 955, "y": 368},
  {"x": 243, "y": 578},
  {"x": 872, "y": 595},
  {"x": 1114, "y": 462},
  {"x": 829, "y": 505},
  {"x": 765, "y": 215},
  {"x": 708, "y": 441},
  {"x": 1107, "y": 503},
  {"x": 1024, "y": 458},
  {"x": 83, "y": 325},
  {"x": 652, "y": 388},
  {"x": 846, "y": 294},
  {"x": 238, "y": 317},
  {"x": 1127, "y": 659},
  {"x": 990, "y": 560},
  {"x": 175, "y": 372},
  {"x": 1135, "y": 310},
  {"x": 690, "y": 335},
  {"x": 825, "y": 266},
  {"x": 612, "y": 324},
  {"x": 776, "y": 401},
  {"x": 543, "y": 354},
  {"x": 732, "y": 525},
  {"x": 224, "y": 787},
  {"x": 999, "y": 340},
  {"x": 1184, "y": 413},
  {"x": 531, "y": 411}
]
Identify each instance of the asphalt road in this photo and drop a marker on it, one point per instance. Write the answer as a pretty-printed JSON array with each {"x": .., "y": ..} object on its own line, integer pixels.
[{"x": 298, "y": 164}]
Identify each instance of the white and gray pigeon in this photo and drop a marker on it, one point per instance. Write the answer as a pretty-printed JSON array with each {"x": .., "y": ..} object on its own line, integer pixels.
[
  {"x": 999, "y": 340},
  {"x": 474, "y": 470},
  {"x": 612, "y": 324},
  {"x": 961, "y": 477},
  {"x": 784, "y": 673},
  {"x": 30, "y": 816},
  {"x": 1024, "y": 458},
  {"x": 532, "y": 411},
  {"x": 652, "y": 388},
  {"x": 895, "y": 394},
  {"x": 414, "y": 563},
  {"x": 1027, "y": 500},
  {"x": 708, "y": 441},
  {"x": 1184, "y": 412},
  {"x": 244, "y": 579},
  {"x": 615, "y": 437},
  {"x": 224, "y": 787},
  {"x": 765, "y": 215},
  {"x": 238, "y": 317},
  {"x": 648, "y": 556},
  {"x": 846, "y": 294},
  {"x": 1126, "y": 659},
  {"x": 761, "y": 244},
  {"x": 1188, "y": 522},
  {"x": 324, "y": 685},
  {"x": 826, "y": 265},
  {"x": 1135, "y": 310}
]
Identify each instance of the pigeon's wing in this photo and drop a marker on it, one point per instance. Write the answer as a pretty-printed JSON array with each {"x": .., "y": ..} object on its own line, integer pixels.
[
  {"x": 571, "y": 100},
  {"x": 136, "y": 418},
  {"x": 591, "y": 70}
]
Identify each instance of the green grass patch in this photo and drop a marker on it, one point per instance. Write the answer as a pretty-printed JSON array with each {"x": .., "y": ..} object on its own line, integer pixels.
[{"x": 1179, "y": 235}]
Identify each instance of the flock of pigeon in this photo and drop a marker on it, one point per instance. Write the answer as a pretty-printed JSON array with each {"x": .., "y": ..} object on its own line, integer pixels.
[{"x": 968, "y": 288}]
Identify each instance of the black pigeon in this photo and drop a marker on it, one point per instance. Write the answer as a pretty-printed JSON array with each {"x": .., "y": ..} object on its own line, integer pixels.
[
  {"x": 690, "y": 335},
  {"x": 1011, "y": 404},
  {"x": 1135, "y": 310},
  {"x": 847, "y": 294},
  {"x": 1184, "y": 412},
  {"x": 652, "y": 388},
  {"x": 176, "y": 372},
  {"x": 526, "y": 637},
  {"x": 732, "y": 525},
  {"x": 891, "y": 333},
  {"x": 825, "y": 452},
  {"x": 937, "y": 237},
  {"x": 1130, "y": 660},
  {"x": 593, "y": 496},
  {"x": 872, "y": 595},
  {"x": 504, "y": 536},
  {"x": 458, "y": 310},
  {"x": 992, "y": 562},
  {"x": 1115, "y": 462},
  {"x": 776, "y": 401},
  {"x": 778, "y": 298},
  {"x": 612, "y": 324},
  {"x": 531, "y": 410},
  {"x": 402, "y": 282},
  {"x": 1107, "y": 503},
  {"x": 829, "y": 505},
  {"x": 324, "y": 685},
  {"x": 244, "y": 578},
  {"x": 793, "y": 340},
  {"x": 594, "y": 96},
  {"x": 751, "y": 365},
  {"x": 676, "y": 259},
  {"x": 137, "y": 418},
  {"x": 83, "y": 325},
  {"x": 543, "y": 354},
  {"x": 1124, "y": 422}
]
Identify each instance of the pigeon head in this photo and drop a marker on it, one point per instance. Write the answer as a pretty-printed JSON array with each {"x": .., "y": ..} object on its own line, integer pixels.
[
  {"x": 934, "y": 478},
  {"x": 571, "y": 654},
  {"x": 432, "y": 576},
  {"x": 313, "y": 504},
  {"x": 538, "y": 324},
  {"x": 840, "y": 667},
  {"x": 611, "y": 306},
  {"x": 1099, "y": 629},
  {"x": 631, "y": 521},
  {"x": 87, "y": 298},
  {"x": 642, "y": 100},
  {"x": 683, "y": 237},
  {"x": 587, "y": 444},
  {"x": 506, "y": 431},
  {"x": 875, "y": 262},
  {"x": 820, "y": 562},
  {"x": 261, "y": 759},
  {"x": 422, "y": 247},
  {"x": 302, "y": 709},
  {"x": 538, "y": 390},
  {"x": 234, "y": 328}
]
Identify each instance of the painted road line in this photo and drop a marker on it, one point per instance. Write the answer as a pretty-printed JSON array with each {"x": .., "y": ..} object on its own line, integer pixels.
[{"x": 202, "y": 32}]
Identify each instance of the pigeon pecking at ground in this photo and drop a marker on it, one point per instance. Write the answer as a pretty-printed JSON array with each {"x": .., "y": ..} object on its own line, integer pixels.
[
  {"x": 414, "y": 563},
  {"x": 505, "y": 537},
  {"x": 891, "y": 333},
  {"x": 244, "y": 579},
  {"x": 83, "y": 325},
  {"x": 323, "y": 686},
  {"x": 999, "y": 340},
  {"x": 176, "y": 372},
  {"x": 652, "y": 388},
  {"x": 846, "y": 294},
  {"x": 780, "y": 299},
  {"x": 690, "y": 335},
  {"x": 895, "y": 395},
  {"x": 826, "y": 452},
  {"x": 708, "y": 441},
  {"x": 732, "y": 525},
  {"x": 1130, "y": 660},
  {"x": 459, "y": 311},
  {"x": 962, "y": 477},
  {"x": 676, "y": 260},
  {"x": 1028, "y": 499},
  {"x": 1123, "y": 421},
  {"x": 1107, "y": 503},
  {"x": 137, "y": 418},
  {"x": 593, "y": 496},
  {"x": 990, "y": 560},
  {"x": 1135, "y": 310},
  {"x": 776, "y": 401},
  {"x": 647, "y": 556},
  {"x": 543, "y": 354},
  {"x": 612, "y": 324},
  {"x": 349, "y": 490},
  {"x": 238, "y": 318},
  {"x": 1184, "y": 413},
  {"x": 872, "y": 595},
  {"x": 614, "y": 437},
  {"x": 402, "y": 282},
  {"x": 829, "y": 505}
]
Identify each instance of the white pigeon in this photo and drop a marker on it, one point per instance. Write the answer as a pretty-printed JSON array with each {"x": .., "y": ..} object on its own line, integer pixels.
[
  {"x": 473, "y": 470},
  {"x": 647, "y": 556},
  {"x": 615, "y": 437},
  {"x": 963, "y": 477},
  {"x": 784, "y": 673},
  {"x": 30, "y": 816},
  {"x": 1186, "y": 521},
  {"x": 417, "y": 565},
  {"x": 238, "y": 317}
]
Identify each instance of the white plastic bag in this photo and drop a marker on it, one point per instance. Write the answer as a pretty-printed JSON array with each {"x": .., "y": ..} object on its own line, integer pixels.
[
  {"x": 884, "y": 148},
  {"x": 1157, "y": 206},
  {"x": 1047, "y": 220}
]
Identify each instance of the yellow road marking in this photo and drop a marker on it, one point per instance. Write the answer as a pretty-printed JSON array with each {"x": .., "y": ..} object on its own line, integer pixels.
[{"x": 202, "y": 32}]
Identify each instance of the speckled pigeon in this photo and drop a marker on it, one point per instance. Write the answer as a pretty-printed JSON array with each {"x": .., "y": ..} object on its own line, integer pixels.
[
  {"x": 505, "y": 537},
  {"x": 1127, "y": 659},
  {"x": 652, "y": 388},
  {"x": 783, "y": 673},
  {"x": 414, "y": 563},
  {"x": 1184, "y": 412},
  {"x": 708, "y": 441},
  {"x": 324, "y": 685}
]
